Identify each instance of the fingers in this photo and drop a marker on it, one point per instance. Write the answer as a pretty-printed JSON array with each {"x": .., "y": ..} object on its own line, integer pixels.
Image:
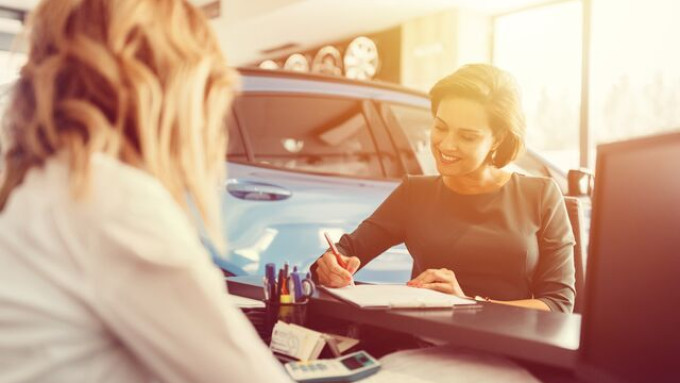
[
  {"x": 442, "y": 287},
  {"x": 442, "y": 280},
  {"x": 433, "y": 276},
  {"x": 330, "y": 273},
  {"x": 353, "y": 264},
  {"x": 329, "y": 280}
]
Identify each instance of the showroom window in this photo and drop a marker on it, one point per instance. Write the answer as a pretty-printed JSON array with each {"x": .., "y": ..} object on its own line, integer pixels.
[
  {"x": 634, "y": 79},
  {"x": 635, "y": 69},
  {"x": 312, "y": 134},
  {"x": 541, "y": 47}
]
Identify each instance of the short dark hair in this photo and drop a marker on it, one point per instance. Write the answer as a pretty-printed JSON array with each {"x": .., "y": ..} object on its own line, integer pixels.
[{"x": 497, "y": 91}]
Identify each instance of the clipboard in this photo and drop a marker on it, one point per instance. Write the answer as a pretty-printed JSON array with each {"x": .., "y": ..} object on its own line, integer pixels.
[{"x": 392, "y": 296}]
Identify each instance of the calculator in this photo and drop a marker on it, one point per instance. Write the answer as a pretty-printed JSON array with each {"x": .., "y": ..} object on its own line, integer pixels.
[{"x": 348, "y": 368}]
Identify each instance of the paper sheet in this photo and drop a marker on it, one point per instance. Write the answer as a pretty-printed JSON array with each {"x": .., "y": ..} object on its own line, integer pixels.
[
  {"x": 246, "y": 303},
  {"x": 447, "y": 364},
  {"x": 396, "y": 296},
  {"x": 296, "y": 341}
]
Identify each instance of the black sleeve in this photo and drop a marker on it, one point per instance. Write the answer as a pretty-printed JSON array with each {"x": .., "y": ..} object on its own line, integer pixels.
[
  {"x": 382, "y": 230},
  {"x": 554, "y": 279}
]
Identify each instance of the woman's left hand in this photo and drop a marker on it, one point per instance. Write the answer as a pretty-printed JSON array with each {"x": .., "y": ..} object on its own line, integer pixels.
[{"x": 442, "y": 280}]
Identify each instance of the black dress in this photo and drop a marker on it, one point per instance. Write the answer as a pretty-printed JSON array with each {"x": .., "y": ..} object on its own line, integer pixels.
[{"x": 510, "y": 244}]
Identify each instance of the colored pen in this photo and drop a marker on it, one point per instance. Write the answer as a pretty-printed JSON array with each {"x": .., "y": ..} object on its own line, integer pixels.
[
  {"x": 265, "y": 287},
  {"x": 297, "y": 286},
  {"x": 270, "y": 274},
  {"x": 337, "y": 254},
  {"x": 285, "y": 294},
  {"x": 279, "y": 285},
  {"x": 291, "y": 289}
]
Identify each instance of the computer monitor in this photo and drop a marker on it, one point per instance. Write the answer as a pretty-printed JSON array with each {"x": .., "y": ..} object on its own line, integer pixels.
[{"x": 631, "y": 320}]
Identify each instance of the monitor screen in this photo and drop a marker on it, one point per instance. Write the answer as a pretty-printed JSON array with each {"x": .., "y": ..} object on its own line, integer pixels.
[
  {"x": 631, "y": 320},
  {"x": 356, "y": 361}
]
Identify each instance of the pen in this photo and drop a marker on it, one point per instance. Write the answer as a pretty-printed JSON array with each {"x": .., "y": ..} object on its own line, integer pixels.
[
  {"x": 291, "y": 288},
  {"x": 265, "y": 287},
  {"x": 297, "y": 286},
  {"x": 279, "y": 285},
  {"x": 271, "y": 279},
  {"x": 285, "y": 294},
  {"x": 337, "y": 254}
]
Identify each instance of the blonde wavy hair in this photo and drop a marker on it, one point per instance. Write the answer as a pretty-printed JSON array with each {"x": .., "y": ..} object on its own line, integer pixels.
[{"x": 141, "y": 80}]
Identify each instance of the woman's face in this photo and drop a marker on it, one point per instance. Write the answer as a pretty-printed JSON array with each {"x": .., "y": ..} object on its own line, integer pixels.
[{"x": 461, "y": 137}]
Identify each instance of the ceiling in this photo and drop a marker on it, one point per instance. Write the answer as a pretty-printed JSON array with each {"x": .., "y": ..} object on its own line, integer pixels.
[{"x": 248, "y": 27}]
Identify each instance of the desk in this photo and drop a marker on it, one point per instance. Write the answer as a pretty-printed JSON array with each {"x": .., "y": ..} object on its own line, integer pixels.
[{"x": 536, "y": 336}]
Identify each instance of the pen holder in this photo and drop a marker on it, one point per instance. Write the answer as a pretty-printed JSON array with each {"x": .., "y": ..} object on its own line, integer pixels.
[{"x": 293, "y": 313}]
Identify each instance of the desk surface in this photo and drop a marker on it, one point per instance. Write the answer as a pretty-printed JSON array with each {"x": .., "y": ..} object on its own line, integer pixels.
[{"x": 538, "y": 336}]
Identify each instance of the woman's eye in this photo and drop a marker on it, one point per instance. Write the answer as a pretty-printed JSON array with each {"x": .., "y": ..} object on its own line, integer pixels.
[
  {"x": 468, "y": 137},
  {"x": 440, "y": 128}
]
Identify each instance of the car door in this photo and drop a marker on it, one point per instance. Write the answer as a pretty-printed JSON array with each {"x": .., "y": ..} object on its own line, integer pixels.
[{"x": 300, "y": 165}]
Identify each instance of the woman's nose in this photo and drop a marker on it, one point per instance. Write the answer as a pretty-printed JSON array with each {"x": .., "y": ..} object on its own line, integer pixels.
[{"x": 449, "y": 142}]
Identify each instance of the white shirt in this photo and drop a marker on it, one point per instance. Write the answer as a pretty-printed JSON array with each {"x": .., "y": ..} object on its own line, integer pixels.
[{"x": 115, "y": 288}]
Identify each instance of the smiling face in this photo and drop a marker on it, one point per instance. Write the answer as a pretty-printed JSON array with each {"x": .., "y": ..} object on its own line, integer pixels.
[{"x": 461, "y": 137}]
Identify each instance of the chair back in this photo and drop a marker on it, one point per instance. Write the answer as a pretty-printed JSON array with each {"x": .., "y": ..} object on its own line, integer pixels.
[{"x": 575, "y": 212}]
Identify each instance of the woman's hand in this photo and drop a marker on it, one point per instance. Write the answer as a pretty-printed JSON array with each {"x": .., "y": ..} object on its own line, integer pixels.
[
  {"x": 442, "y": 280},
  {"x": 331, "y": 274}
]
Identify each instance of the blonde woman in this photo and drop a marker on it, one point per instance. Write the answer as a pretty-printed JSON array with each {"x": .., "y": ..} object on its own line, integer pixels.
[{"x": 116, "y": 121}]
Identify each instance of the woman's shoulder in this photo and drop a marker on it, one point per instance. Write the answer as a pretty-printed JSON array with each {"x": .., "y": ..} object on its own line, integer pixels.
[
  {"x": 115, "y": 179},
  {"x": 118, "y": 188},
  {"x": 536, "y": 186},
  {"x": 529, "y": 182}
]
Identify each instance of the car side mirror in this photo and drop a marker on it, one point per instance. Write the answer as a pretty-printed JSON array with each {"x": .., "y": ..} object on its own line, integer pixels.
[{"x": 580, "y": 182}]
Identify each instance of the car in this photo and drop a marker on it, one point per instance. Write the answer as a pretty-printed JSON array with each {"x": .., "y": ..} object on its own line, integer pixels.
[{"x": 310, "y": 154}]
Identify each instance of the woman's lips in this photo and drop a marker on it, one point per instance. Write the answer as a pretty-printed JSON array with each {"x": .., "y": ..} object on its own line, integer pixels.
[{"x": 447, "y": 159}]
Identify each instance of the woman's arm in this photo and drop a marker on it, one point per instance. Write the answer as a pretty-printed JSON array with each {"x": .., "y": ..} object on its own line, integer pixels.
[
  {"x": 444, "y": 281},
  {"x": 554, "y": 278},
  {"x": 377, "y": 233},
  {"x": 526, "y": 303}
]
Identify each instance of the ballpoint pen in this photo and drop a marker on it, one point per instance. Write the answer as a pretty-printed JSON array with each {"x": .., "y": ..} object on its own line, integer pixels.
[
  {"x": 338, "y": 258},
  {"x": 265, "y": 288},
  {"x": 297, "y": 286},
  {"x": 270, "y": 274},
  {"x": 280, "y": 283}
]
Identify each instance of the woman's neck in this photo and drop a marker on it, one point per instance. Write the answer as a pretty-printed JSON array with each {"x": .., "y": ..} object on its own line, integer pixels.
[{"x": 487, "y": 179}]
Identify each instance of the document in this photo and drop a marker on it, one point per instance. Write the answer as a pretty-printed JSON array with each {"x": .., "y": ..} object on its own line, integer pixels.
[
  {"x": 296, "y": 341},
  {"x": 447, "y": 364},
  {"x": 396, "y": 296},
  {"x": 246, "y": 303},
  {"x": 304, "y": 344}
]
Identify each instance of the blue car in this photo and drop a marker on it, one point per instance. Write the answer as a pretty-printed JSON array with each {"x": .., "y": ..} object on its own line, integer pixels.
[{"x": 310, "y": 154}]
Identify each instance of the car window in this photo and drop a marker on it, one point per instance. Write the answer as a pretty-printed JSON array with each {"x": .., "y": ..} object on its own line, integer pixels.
[
  {"x": 412, "y": 136},
  {"x": 392, "y": 165},
  {"x": 415, "y": 124},
  {"x": 236, "y": 150},
  {"x": 316, "y": 134}
]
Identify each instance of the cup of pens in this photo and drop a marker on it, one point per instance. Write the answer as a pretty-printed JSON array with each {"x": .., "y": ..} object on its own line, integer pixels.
[{"x": 286, "y": 294}]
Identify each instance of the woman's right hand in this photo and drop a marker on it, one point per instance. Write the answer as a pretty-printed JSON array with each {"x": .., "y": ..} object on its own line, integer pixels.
[{"x": 331, "y": 274}]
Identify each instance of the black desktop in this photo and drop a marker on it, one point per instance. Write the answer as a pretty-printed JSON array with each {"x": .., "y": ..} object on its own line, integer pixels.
[{"x": 631, "y": 320}]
